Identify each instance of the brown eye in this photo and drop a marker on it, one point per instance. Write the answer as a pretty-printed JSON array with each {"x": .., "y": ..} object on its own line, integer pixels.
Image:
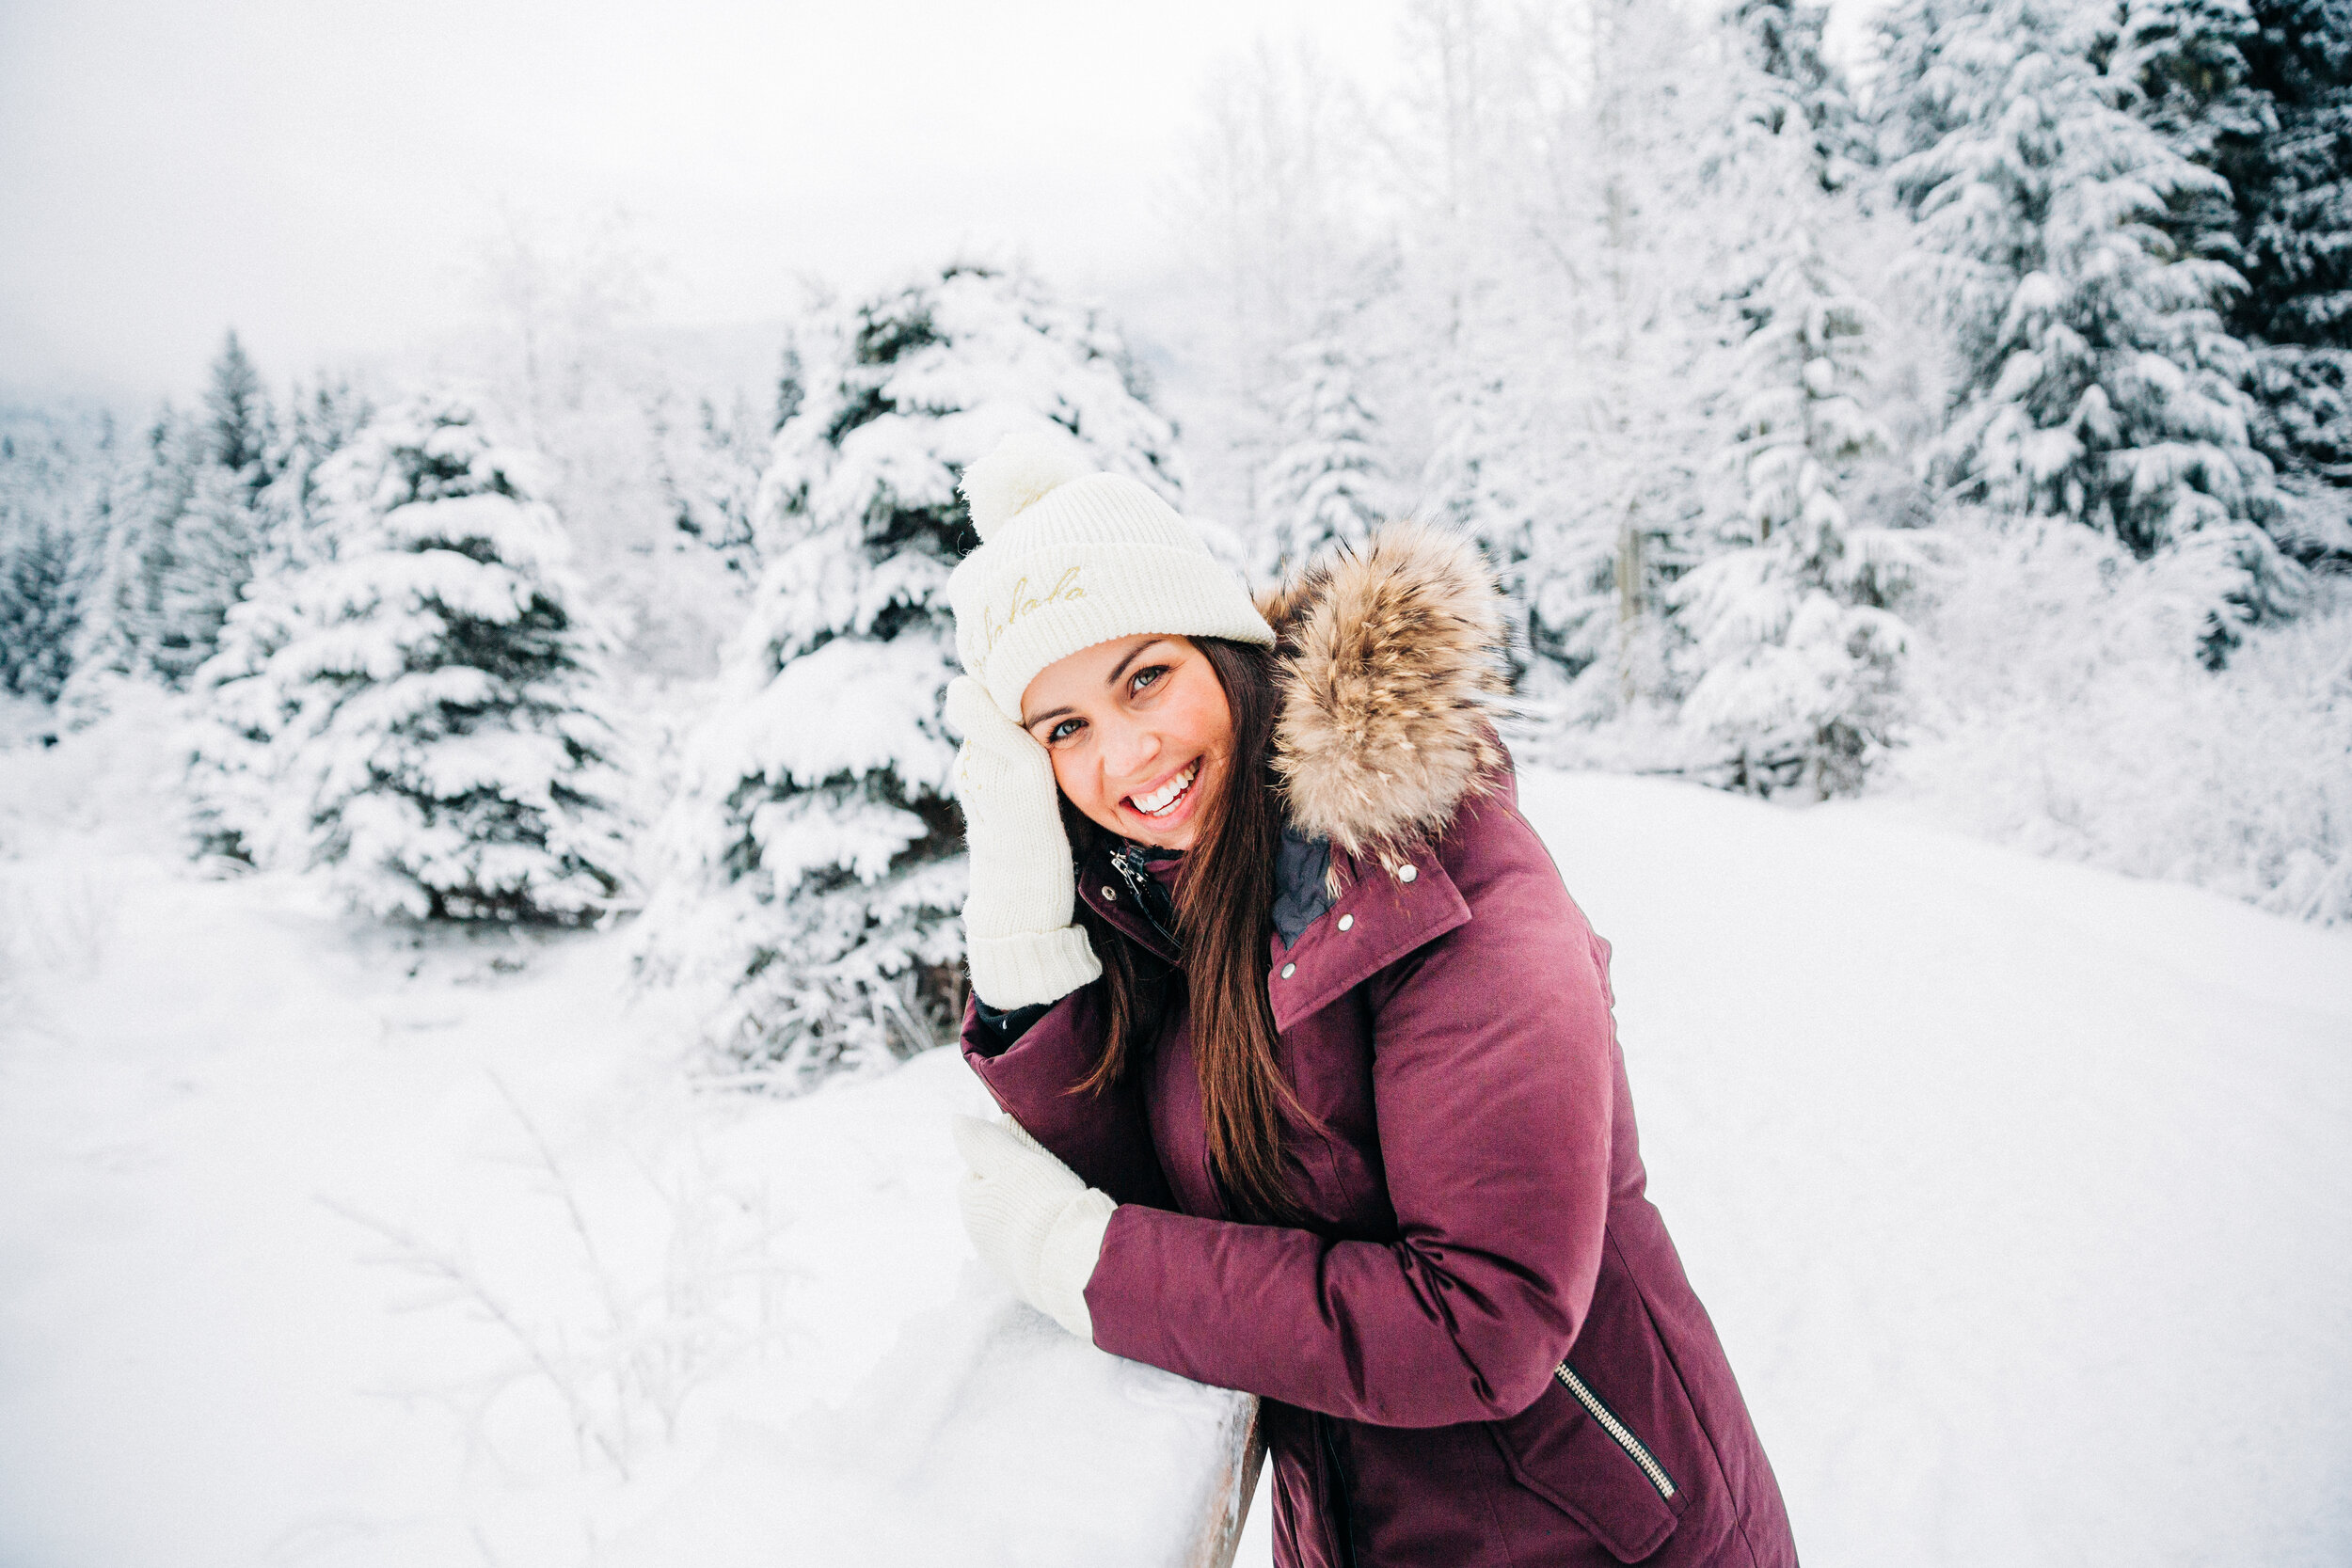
[
  {"x": 1146, "y": 676},
  {"x": 1063, "y": 731}
]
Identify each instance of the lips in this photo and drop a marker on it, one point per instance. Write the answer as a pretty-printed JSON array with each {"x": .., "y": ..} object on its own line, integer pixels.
[{"x": 1164, "y": 799}]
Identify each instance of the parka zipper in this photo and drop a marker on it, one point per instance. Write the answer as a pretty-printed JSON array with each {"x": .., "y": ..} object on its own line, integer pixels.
[
  {"x": 1142, "y": 887},
  {"x": 1129, "y": 871},
  {"x": 1616, "y": 1429}
]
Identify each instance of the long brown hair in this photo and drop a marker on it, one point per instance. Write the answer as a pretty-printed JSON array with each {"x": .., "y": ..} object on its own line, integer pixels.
[{"x": 1224, "y": 925}]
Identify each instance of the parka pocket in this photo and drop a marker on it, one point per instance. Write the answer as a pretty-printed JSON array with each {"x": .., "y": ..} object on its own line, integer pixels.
[{"x": 1577, "y": 1453}]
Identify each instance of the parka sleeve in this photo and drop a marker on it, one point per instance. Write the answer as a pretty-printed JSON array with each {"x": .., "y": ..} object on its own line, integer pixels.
[
  {"x": 1103, "y": 1135},
  {"x": 1493, "y": 1063}
]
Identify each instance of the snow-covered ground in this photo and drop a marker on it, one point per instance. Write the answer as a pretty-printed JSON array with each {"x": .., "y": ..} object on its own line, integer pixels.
[{"x": 2020, "y": 1192}]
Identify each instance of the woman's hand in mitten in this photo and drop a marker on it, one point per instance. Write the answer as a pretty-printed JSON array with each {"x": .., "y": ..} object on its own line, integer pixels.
[
  {"x": 1032, "y": 1219},
  {"x": 1017, "y": 923}
]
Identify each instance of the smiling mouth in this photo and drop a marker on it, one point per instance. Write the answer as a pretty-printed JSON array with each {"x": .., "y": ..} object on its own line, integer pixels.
[{"x": 1164, "y": 799}]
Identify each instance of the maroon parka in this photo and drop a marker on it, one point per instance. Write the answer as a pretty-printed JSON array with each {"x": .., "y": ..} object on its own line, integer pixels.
[{"x": 1481, "y": 1348}]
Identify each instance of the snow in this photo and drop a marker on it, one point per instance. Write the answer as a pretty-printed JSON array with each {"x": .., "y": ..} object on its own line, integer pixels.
[
  {"x": 271, "y": 1169},
  {"x": 2018, "y": 1191}
]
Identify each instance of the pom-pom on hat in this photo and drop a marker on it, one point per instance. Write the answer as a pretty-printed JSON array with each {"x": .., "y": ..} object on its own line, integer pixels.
[{"x": 1070, "y": 557}]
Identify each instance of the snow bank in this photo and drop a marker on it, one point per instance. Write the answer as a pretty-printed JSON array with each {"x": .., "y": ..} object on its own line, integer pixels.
[
  {"x": 987, "y": 1432},
  {"x": 2059, "y": 711},
  {"x": 328, "y": 1244}
]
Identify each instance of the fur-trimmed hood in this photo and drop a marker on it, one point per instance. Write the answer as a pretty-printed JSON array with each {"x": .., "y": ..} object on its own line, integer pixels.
[{"x": 1390, "y": 667}]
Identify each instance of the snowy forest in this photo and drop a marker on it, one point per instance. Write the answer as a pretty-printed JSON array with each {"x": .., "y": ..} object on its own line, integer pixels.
[{"x": 1953, "y": 428}]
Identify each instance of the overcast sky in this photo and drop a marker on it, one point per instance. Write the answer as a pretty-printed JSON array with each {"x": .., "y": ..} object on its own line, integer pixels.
[
  {"x": 320, "y": 175},
  {"x": 323, "y": 174}
]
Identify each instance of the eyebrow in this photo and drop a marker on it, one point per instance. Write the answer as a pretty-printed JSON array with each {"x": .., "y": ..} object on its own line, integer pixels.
[{"x": 1133, "y": 654}]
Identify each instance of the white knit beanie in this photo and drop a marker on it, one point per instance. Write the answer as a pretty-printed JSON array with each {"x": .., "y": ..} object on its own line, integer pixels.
[{"x": 1068, "y": 559}]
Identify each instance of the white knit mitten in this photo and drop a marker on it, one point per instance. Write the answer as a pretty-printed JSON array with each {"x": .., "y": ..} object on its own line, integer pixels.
[
  {"x": 1032, "y": 1219},
  {"x": 1017, "y": 923}
]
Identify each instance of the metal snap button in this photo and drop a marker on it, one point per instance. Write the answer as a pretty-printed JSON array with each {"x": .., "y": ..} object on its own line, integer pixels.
[
  {"x": 1289, "y": 970},
  {"x": 1108, "y": 896},
  {"x": 1347, "y": 922},
  {"x": 1406, "y": 873}
]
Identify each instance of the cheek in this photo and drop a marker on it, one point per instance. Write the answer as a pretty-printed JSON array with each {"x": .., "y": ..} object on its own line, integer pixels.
[
  {"x": 1210, "y": 722},
  {"x": 1078, "y": 779},
  {"x": 1066, "y": 775}
]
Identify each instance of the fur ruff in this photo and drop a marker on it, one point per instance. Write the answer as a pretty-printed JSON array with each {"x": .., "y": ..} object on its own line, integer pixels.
[{"x": 1389, "y": 666}]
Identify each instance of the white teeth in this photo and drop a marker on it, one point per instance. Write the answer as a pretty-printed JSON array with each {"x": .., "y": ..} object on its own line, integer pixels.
[{"x": 1164, "y": 796}]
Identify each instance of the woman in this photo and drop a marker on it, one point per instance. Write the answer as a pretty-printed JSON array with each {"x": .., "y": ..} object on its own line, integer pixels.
[{"x": 1317, "y": 1049}]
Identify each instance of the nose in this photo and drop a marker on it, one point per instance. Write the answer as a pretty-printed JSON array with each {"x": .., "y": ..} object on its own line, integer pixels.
[{"x": 1130, "y": 753}]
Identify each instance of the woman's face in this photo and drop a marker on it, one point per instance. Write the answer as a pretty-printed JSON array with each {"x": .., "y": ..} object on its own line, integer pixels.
[{"x": 1140, "y": 733}]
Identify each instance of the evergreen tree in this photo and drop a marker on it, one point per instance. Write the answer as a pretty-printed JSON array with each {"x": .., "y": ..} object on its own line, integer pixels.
[
  {"x": 221, "y": 531},
  {"x": 2098, "y": 382},
  {"x": 1794, "y": 89},
  {"x": 2294, "y": 182},
  {"x": 814, "y": 866},
  {"x": 317, "y": 425},
  {"x": 237, "y": 418},
  {"x": 1919, "y": 93},
  {"x": 1326, "y": 485},
  {"x": 236, "y": 804},
  {"x": 216, "y": 540},
  {"x": 145, "y": 490},
  {"x": 44, "y": 565},
  {"x": 2180, "y": 66},
  {"x": 41, "y": 583},
  {"x": 1787, "y": 653},
  {"x": 2291, "y": 183},
  {"x": 1794, "y": 654},
  {"x": 420, "y": 710},
  {"x": 2245, "y": 91}
]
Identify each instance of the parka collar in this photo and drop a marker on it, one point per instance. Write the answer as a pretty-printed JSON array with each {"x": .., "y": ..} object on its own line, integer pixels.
[{"x": 1384, "y": 912}]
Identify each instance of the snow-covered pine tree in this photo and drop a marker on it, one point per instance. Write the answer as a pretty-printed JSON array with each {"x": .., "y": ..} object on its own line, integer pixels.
[
  {"x": 1915, "y": 93},
  {"x": 2097, "y": 382},
  {"x": 45, "y": 475},
  {"x": 216, "y": 539},
  {"x": 2292, "y": 185},
  {"x": 238, "y": 421},
  {"x": 221, "y": 531},
  {"x": 1794, "y": 656},
  {"x": 1326, "y": 483},
  {"x": 2180, "y": 66},
  {"x": 420, "y": 709},
  {"x": 2262, "y": 94},
  {"x": 815, "y": 847},
  {"x": 1795, "y": 87},
  {"x": 237, "y": 810},
  {"x": 1791, "y": 658},
  {"x": 317, "y": 425},
  {"x": 148, "y": 485},
  {"x": 40, "y": 609}
]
